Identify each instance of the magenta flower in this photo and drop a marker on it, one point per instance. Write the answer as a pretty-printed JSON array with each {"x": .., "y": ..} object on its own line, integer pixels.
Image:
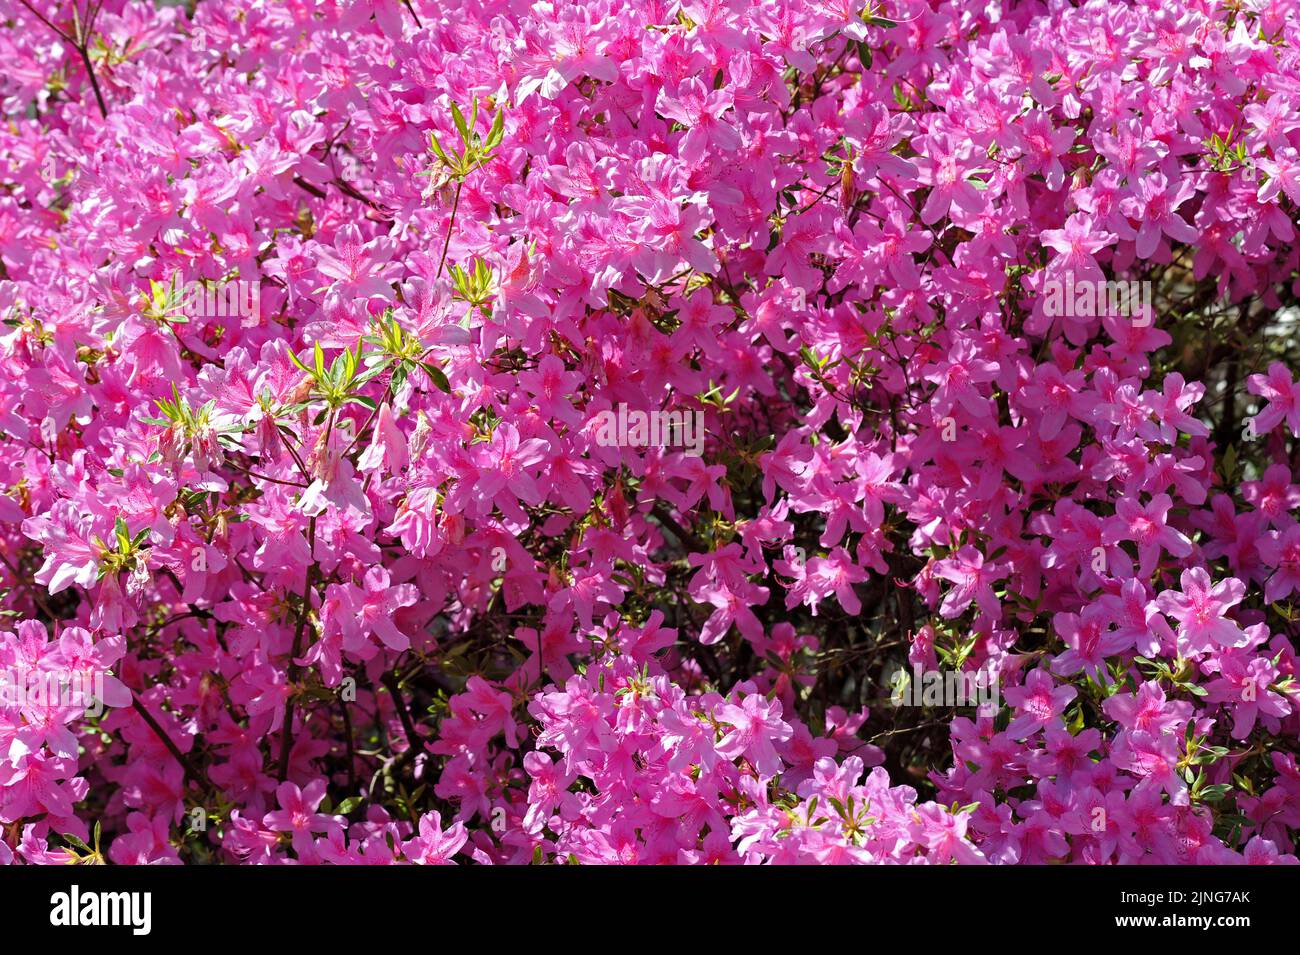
[
  {"x": 943, "y": 834},
  {"x": 374, "y": 608},
  {"x": 701, "y": 112},
  {"x": 1244, "y": 686},
  {"x": 297, "y": 814},
  {"x": 1078, "y": 244},
  {"x": 1147, "y": 526},
  {"x": 1089, "y": 641},
  {"x": 974, "y": 582},
  {"x": 1148, "y": 710},
  {"x": 943, "y": 171},
  {"x": 1039, "y": 703},
  {"x": 1155, "y": 207},
  {"x": 1201, "y": 611},
  {"x": 434, "y": 845},
  {"x": 1153, "y": 759},
  {"x": 1282, "y": 551},
  {"x": 1283, "y": 172},
  {"x": 1283, "y": 397},
  {"x": 756, "y": 725}
]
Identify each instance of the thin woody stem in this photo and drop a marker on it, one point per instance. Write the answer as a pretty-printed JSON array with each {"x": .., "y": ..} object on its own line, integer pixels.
[
  {"x": 78, "y": 42},
  {"x": 94, "y": 81},
  {"x": 190, "y": 770},
  {"x": 286, "y": 731},
  {"x": 451, "y": 225}
]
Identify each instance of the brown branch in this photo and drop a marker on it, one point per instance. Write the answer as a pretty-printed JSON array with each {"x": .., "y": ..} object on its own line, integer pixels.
[
  {"x": 286, "y": 731},
  {"x": 79, "y": 41},
  {"x": 191, "y": 771},
  {"x": 414, "y": 741},
  {"x": 682, "y": 534}
]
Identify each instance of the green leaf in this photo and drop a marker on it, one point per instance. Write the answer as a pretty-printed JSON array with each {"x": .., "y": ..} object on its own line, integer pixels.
[
  {"x": 74, "y": 841},
  {"x": 437, "y": 377},
  {"x": 1230, "y": 462},
  {"x": 437, "y": 149},
  {"x": 294, "y": 358},
  {"x": 497, "y": 132},
  {"x": 372, "y": 373},
  {"x": 459, "y": 120}
]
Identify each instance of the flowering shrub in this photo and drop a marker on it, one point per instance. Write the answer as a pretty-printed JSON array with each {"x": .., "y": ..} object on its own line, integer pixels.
[{"x": 514, "y": 432}]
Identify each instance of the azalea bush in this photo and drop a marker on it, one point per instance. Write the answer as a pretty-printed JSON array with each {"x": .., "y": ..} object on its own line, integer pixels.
[{"x": 514, "y": 432}]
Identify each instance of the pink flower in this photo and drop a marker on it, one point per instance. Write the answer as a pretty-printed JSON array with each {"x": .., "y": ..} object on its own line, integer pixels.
[
  {"x": 756, "y": 724},
  {"x": 1200, "y": 610},
  {"x": 1155, "y": 207},
  {"x": 1282, "y": 551},
  {"x": 700, "y": 111},
  {"x": 297, "y": 815},
  {"x": 433, "y": 845},
  {"x": 389, "y": 449},
  {"x": 1283, "y": 397},
  {"x": 944, "y": 834},
  {"x": 1039, "y": 704},
  {"x": 1153, "y": 759},
  {"x": 1147, "y": 526},
  {"x": 1089, "y": 640},
  {"x": 374, "y": 606},
  {"x": 1283, "y": 173},
  {"x": 974, "y": 582},
  {"x": 942, "y": 169}
]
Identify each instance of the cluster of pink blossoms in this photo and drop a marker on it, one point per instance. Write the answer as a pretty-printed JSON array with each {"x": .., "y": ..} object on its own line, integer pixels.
[{"x": 330, "y": 331}]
